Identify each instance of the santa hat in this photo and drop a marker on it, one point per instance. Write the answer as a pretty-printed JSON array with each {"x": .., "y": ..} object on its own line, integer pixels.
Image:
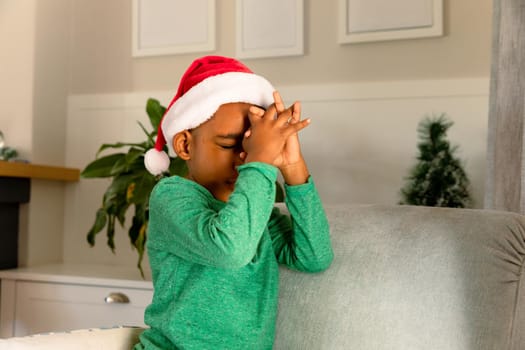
[{"x": 208, "y": 83}]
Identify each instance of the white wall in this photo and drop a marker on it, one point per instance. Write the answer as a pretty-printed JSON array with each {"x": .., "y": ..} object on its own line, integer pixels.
[
  {"x": 359, "y": 147},
  {"x": 34, "y": 80},
  {"x": 17, "y": 26}
]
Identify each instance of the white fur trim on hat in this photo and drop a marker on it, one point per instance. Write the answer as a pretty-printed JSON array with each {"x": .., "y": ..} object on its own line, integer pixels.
[
  {"x": 156, "y": 162},
  {"x": 202, "y": 101}
]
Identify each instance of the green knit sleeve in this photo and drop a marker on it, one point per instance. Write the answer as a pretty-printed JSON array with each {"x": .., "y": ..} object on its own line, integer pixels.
[
  {"x": 185, "y": 219},
  {"x": 302, "y": 240}
]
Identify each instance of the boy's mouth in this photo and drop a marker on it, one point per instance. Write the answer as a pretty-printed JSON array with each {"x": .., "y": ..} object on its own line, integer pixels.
[{"x": 231, "y": 181}]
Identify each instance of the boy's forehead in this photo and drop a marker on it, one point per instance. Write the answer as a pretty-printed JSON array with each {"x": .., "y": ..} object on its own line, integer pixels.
[
  {"x": 231, "y": 124},
  {"x": 226, "y": 123}
]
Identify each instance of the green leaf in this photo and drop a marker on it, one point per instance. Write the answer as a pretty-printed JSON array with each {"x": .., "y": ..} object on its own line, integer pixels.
[
  {"x": 100, "y": 222},
  {"x": 102, "y": 167},
  {"x": 141, "y": 188},
  {"x": 114, "y": 201},
  {"x": 120, "y": 184},
  {"x": 124, "y": 164},
  {"x": 133, "y": 154},
  {"x": 119, "y": 167},
  {"x": 151, "y": 141},
  {"x": 155, "y": 112},
  {"x": 122, "y": 208},
  {"x": 137, "y": 233},
  {"x": 111, "y": 233},
  {"x": 136, "y": 224},
  {"x": 142, "y": 145},
  {"x": 178, "y": 167},
  {"x": 140, "y": 244}
]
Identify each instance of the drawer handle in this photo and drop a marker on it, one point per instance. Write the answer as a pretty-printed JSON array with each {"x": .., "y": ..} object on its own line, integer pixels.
[{"x": 116, "y": 298}]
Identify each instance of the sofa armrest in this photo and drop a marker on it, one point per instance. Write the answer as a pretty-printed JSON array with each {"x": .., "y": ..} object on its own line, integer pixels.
[{"x": 121, "y": 338}]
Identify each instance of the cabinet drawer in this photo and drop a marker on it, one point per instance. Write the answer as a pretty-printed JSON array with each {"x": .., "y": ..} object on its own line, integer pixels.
[{"x": 48, "y": 307}]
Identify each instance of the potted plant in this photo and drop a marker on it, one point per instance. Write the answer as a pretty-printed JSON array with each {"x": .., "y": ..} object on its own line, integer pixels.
[{"x": 131, "y": 185}]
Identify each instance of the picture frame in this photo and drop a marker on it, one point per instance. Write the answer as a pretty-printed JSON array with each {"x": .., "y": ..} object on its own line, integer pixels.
[
  {"x": 269, "y": 28},
  {"x": 169, "y": 27},
  {"x": 381, "y": 20}
]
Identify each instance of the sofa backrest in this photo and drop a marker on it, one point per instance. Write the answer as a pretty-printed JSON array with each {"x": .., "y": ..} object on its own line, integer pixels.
[{"x": 409, "y": 277}]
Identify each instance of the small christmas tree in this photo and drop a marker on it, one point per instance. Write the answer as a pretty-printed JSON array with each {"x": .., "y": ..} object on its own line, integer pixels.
[{"x": 438, "y": 179}]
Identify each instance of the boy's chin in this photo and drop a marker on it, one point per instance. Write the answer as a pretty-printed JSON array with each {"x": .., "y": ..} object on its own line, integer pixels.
[{"x": 224, "y": 194}]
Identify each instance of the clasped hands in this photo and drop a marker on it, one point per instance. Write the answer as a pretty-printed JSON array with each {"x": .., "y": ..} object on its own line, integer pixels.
[{"x": 273, "y": 138}]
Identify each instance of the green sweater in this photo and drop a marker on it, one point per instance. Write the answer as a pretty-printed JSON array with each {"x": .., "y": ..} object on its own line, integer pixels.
[{"x": 215, "y": 264}]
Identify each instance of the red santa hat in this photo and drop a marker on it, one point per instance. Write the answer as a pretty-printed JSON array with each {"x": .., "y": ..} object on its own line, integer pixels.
[{"x": 208, "y": 83}]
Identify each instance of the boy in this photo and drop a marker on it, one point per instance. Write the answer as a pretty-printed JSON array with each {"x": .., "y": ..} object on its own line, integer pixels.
[{"x": 214, "y": 238}]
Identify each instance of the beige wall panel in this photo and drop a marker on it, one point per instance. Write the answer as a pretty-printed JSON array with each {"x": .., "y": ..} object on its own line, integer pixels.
[{"x": 102, "y": 50}]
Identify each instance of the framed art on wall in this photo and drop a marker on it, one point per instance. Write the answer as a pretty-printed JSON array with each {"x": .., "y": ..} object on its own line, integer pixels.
[
  {"x": 166, "y": 27},
  {"x": 269, "y": 28},
  {"x": 380, "y": 20}
]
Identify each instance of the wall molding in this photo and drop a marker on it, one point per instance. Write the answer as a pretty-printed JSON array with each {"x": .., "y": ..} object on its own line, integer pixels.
[{"x": 408, "y": 89}]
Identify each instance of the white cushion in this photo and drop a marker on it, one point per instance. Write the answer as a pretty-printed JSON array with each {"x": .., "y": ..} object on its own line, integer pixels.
[{"x": 122, "y": 338}]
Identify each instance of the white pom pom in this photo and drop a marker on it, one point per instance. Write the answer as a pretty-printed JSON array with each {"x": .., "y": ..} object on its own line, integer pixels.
[{"x": 156, "y": 162}]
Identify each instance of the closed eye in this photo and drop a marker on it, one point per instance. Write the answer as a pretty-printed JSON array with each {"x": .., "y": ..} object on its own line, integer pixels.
[{"x": 229, "y": 141}]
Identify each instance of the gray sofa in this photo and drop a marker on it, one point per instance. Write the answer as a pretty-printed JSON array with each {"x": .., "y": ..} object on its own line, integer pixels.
[
  {"x": 411, "y": 278},
  {"x": 403, "y": 278}
]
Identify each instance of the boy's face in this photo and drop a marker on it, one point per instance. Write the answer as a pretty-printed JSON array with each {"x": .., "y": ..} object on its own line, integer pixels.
[{"x": 214, "y": 149}]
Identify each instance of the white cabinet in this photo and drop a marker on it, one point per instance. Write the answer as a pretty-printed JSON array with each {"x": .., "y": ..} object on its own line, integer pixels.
[{"x": 64, "y": 297}]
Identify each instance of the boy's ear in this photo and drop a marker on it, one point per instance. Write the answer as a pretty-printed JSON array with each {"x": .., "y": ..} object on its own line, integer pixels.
[{"x": 182, "y": 144}]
